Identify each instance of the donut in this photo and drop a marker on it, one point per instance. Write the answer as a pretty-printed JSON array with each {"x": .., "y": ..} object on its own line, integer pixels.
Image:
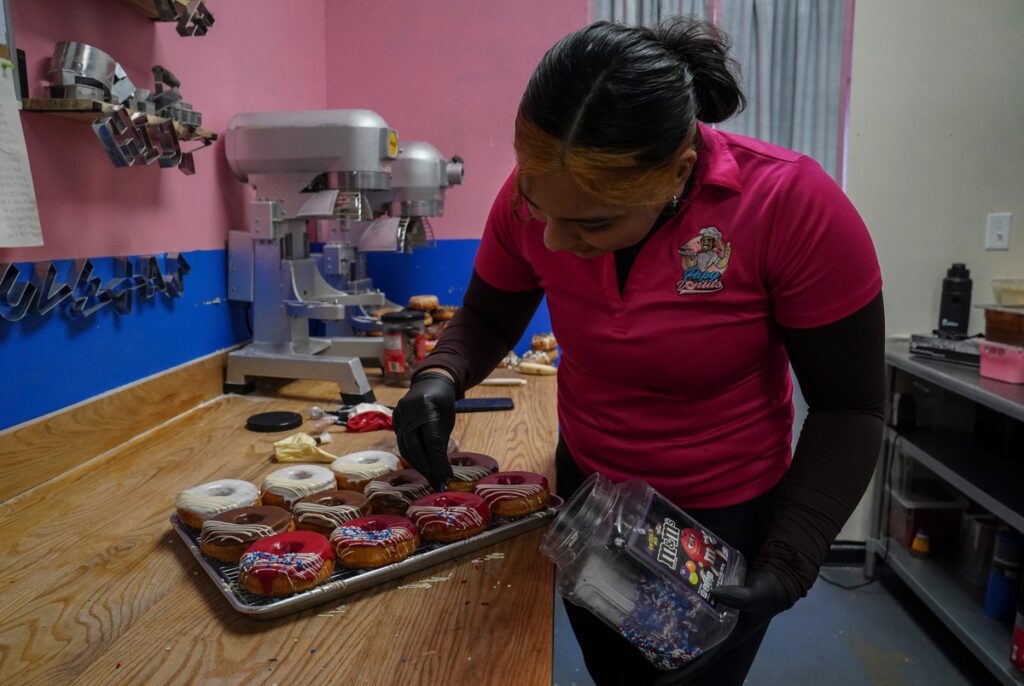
[
  {"x": 425, "y": 303},
  {"x": 227, "y": 536},
  {"x": 392, "y": 493},
  {"x": 285, "y": 486},
  {"x": 513, "y": 494},
  {"x": 510, "y": 361},
  {"x": 444, "y": 313},
  {"x": 286, "y": 563},
  {"x": 452, "y": 516},
  {"x": 468, "y": 468},
  {"x": 355, "y": 470},
  {"x": 543, "y": 341},
  {"x": 374, "y": 541},
  {"x": 197, "y": 504},
  {"x": 539, "y": 356},
  {"x": 324, "y": 512}
]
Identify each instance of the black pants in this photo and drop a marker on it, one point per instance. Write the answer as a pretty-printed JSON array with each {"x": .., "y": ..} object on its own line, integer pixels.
[{"x": 613, "y": 660}]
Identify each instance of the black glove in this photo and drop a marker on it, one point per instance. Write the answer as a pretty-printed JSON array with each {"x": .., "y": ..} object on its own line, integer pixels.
[
  {"x": 423, "y": 422},
  {"x": 761, "y": 597}
]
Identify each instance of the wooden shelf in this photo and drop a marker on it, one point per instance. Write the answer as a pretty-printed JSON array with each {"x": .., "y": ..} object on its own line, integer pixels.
[{"x": 89, "y": 110}]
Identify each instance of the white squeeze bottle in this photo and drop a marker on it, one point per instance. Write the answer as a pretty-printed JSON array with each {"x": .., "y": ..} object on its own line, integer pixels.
[{"x": 645, "y": 567}]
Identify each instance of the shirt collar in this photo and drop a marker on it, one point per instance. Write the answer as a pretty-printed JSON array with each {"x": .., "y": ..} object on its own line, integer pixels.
[{"x": 716, "y": 165}]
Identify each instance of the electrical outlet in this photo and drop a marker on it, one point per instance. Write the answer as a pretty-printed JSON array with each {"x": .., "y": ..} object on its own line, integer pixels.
[{"x": 997, "y": 230}]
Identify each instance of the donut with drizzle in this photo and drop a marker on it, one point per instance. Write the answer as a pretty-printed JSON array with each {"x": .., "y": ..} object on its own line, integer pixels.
[
  {"x": 355, "y": 470},
  {"x": 393, "y": 493},
  {"x": 513, "y": 494},
  {"x": 326, "y": 511},
  {"x": 468, "y": 468},
  {"x": 286, "y": 563},
  {"x": 374, "y": 541},
  {"x": 284, "y": 487},
  {"x": 451, "y": 516},
  {"x": 197, "y": 504},
  {"x": 228, "y": 535}
]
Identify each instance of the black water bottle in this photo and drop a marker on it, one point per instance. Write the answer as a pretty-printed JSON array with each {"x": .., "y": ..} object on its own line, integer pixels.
[{"x": 955, "y": 310}]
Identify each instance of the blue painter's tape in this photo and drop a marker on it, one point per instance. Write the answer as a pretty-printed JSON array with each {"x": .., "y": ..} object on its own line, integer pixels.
[{"x": 52, "y": 361}]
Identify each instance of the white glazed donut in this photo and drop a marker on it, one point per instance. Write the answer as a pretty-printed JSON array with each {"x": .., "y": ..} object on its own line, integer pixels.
[
  {"x": 285, "y": 486},
  {"x": 197, "y": 504},
  {"x": 355, "y": 470}
]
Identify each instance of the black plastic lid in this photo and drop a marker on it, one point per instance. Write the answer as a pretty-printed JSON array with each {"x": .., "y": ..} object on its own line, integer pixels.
[
  {"x": 959, "y": 269},
  {"x": 403, "y": 317},
  {"x": 266, "y": 422}
]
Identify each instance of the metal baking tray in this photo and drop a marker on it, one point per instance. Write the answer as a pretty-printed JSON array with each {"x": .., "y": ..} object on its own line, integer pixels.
[{"x": 343, "y": 581}]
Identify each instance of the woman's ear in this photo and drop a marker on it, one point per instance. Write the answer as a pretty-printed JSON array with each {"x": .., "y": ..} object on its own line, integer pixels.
[{"x": 684, "y": 167}]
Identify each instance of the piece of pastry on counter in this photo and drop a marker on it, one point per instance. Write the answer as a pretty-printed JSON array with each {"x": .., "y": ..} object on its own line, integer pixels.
[
  {"x": 509, "y": 361},
  {"x": 543, "y": 341},
  {"x": 540, "y": 356},
  {"x": 425, "y": 303},
  {"x": 536, "y": 369}
]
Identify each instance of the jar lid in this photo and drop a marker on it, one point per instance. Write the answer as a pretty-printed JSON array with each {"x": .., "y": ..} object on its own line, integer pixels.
[
  {"x": 267, "y": 422},
  {"x": 402, "y": 317}
]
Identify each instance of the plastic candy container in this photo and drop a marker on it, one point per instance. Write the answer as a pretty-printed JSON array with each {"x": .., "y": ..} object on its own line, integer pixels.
[{"x": 645, "y": 567}]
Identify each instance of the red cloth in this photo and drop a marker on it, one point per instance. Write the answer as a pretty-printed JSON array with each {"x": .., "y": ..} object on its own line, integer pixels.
[
  {"x": 689, "y": 357},
  {"x": 369, "y": 421}
]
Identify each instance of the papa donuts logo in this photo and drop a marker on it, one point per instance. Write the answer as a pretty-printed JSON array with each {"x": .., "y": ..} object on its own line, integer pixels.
[{"x": 705, "y": 259}]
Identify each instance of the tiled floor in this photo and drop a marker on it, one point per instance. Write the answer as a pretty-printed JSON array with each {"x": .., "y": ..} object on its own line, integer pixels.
[{"x": 878, "y": 635}]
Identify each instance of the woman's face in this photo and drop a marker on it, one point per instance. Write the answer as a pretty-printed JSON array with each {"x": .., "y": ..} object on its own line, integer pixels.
[{"x": 579, "y": 222}]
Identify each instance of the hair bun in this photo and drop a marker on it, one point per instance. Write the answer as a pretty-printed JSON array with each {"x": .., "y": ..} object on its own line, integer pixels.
[{"x": 704, "y": 48}]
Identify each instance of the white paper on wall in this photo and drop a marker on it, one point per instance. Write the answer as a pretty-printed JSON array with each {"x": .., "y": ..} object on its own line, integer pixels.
[{"x": 19, "y": 216}]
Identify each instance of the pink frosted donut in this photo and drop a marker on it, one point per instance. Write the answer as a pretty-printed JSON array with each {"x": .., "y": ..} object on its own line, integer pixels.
[
  {"x": 450, "y": 516},
  {"x": 374, "y": 541},
  {"x": 286, "y": 563},
  {"x": 468, "y": 468},
  {"x": 513, "y": 494}
]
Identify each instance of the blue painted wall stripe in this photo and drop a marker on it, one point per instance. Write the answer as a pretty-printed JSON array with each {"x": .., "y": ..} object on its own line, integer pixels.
[
  {"x": 48, "y": 362},
  {"x": 52, "y": 361}
]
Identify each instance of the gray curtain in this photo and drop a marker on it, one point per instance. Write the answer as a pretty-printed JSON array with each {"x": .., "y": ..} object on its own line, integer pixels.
[
  {"x": 790, "y": 52},
  {"x": 647, "y": 12}
]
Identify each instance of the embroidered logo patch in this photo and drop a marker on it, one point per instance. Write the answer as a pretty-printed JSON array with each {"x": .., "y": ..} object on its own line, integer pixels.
[{"x": 705, "y": 259}]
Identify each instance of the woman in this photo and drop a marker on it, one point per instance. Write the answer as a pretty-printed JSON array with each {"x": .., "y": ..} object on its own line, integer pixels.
[{"x": 686, "y": 269}]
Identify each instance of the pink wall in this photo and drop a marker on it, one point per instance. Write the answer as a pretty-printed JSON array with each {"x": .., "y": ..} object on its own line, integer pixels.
[
  {"x": 447, "y": 72},
  {"x": 260, "y": 55}
]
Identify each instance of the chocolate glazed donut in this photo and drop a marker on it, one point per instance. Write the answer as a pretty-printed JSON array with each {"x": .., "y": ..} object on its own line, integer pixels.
[
  {"x": 227, "y": 536},
  {"x": 468, "y": 468},
  {"x": 393, "y": 493},
  {"x": 326, "y": 511}
]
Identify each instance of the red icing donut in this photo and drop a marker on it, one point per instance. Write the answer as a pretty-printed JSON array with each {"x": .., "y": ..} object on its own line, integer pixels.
[
  {"x": 286, "y": 563},
  {"x": 513, "y": 494},
  {"x": 374, "y": 541},
  {"x": 468, "y": 468},
  {"x": 450, "y": 516}
]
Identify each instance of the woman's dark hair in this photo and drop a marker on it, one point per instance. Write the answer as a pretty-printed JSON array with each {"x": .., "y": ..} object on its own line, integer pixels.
[{"x": 623, "y": 101}]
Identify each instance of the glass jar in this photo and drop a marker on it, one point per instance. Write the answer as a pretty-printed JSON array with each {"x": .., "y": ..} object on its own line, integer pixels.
[
  {"x": 404, "y": 345},
  {"x": 645, "y": 568}
]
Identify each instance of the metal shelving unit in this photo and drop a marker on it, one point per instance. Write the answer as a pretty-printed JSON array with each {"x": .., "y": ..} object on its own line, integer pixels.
[
  {"x": 956, "y": 605},
  {"x": 991, "y": 480}
]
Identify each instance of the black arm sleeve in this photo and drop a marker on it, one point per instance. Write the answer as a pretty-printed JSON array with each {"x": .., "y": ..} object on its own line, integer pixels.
[
  {"x": 489, "y": 323},
  {"x": 841, "y": 371}
]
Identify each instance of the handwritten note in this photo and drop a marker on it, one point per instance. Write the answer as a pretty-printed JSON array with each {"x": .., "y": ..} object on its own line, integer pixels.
[{"x": 19, "y": 216}]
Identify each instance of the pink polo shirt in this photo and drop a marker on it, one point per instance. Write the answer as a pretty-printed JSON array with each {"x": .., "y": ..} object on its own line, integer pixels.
[{"x": 683, "y": 381}]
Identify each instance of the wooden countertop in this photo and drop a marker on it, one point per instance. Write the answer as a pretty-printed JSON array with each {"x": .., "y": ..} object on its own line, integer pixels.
[{"x": 97, "y": 587}]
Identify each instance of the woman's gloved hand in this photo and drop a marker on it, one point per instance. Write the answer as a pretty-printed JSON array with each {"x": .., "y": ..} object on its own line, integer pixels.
[
  {"x": 761, "y": 597},
  {"x": 423, "y": 422}
]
